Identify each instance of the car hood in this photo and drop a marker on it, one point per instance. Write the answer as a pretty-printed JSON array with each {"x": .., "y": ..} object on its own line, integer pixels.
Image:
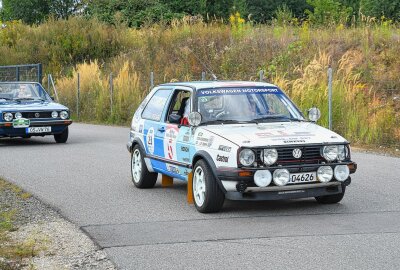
[
  {"x": 32, "y": 106},
  {"x": 283, "y": 133}
]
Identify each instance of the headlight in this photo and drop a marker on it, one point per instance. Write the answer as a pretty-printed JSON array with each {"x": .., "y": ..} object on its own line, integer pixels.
[
  {"x": 281, "y": 177},
  {"x": 8, "y": 117},
  {"x": 330, "y": 152},
  {"x": 18, "y": 115},
  {"x": 324, "y": 174},
  {"x": 342, "y": 152},
  {"x": 64, "y": 115},
  {"x": 247, "y": 157},
  {"x": 342, "y": 172},
  {"x": 262, "y": 178},
  {"x": 54, "y": 114},
  {"x": 269, "y": 156}
]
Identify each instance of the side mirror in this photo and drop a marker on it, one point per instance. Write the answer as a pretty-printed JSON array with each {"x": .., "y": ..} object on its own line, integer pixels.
[
  {"x": 194, "y": 119},
  {"x": 314, "y": 114},
  {"x": 52, "y": 98},
  {"x": 174, "y": 118}
]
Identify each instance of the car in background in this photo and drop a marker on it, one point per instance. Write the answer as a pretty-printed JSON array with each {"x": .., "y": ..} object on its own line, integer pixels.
[
  {"x": 27, "y": 110},
  {"x": 239, "y": 141}
]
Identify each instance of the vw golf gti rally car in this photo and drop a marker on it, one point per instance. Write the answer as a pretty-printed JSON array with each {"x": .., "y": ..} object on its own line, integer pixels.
[
  {"x": 238, "y": 141},
  {"x": 27, "y": 110}
]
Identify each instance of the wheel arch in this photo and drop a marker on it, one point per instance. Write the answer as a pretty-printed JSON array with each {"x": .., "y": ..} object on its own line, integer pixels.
[{"x": 207, "y": 158}]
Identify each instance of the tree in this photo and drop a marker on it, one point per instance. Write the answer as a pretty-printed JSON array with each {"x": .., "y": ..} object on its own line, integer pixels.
[
  {"x": 328, "y": 12},
  {"x": 264, "y": 10},
  {"x": 388, "y": 8},
  {"x": 62, "y": 9},
  {"x": 29, "y": 11}
]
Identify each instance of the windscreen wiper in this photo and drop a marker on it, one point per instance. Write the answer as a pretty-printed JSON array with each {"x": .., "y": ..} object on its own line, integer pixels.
[
  {"x": 22, "y": 99},
  {"x": 227, "y": 121},
  {"x": 277, "y": 117}
]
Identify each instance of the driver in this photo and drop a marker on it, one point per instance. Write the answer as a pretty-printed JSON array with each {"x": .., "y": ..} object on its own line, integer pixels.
[{"x": 24, "y": 92}]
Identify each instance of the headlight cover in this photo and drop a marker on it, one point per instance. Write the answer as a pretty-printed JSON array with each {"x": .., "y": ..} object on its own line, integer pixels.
[
  {"x": 269, "y": 156},
  {"x": 54, "y": 114},
  {"x": 262, "y": 178},
  {"x": 64, "y": 115},
  {"x": 330, "y": 152},
  {"x": 342, "y": 152},
  {"x": 247, "y": 157},
  {"x": 342, "y": 172},
  {"x": 281, "y": 177},
  {"x": 8, "y": 117},
  {"x": 18, "y": 115},
  {"x": 324, "y": 174}
]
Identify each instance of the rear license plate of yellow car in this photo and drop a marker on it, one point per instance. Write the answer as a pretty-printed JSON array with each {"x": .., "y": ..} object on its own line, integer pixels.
[
  {"x": 38, "y": 130},
  {"x": 308, "y": 177}
]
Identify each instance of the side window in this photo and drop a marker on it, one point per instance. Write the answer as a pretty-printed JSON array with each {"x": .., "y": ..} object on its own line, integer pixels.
[
  {"x": 179, "y": 107},
  {"x": 155, "y": 107}
]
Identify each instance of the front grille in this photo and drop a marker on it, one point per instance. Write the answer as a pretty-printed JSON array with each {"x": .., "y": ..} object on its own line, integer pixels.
[
  {"x": 34, "y": 115},
  {"x": 310, "y": 155}
]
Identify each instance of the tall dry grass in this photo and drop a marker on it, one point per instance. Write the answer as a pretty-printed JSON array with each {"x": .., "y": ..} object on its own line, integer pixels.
[{"x": 365, "y": 61}]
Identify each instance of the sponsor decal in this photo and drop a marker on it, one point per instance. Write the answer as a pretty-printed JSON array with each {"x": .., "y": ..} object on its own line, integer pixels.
[
  {"x": 171, "y": 134},
  {"x": 224, "y": 148},
  {"x": 150, "y": 140},
  {"x": 294, "y": 141},
  {"x": 280, "y": 134},
  {"x": 222, "y": 158},
  {"x": 204, "y": 141},
  {"x": 238, "y": 91},
  {"x": 172, "y": 168},
  {"x": 184, "y": 149},
  {"x": 185, "y": 138},
  {"x": 185, "y": 159},
  {"x": 141, "y": 128},
  {"x": 291, "y": 191}
]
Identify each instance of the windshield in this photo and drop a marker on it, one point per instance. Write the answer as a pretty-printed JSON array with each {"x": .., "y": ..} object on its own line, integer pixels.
[
  {"x": 22, "y": 91},
  {"x": 246, "y": 104}
]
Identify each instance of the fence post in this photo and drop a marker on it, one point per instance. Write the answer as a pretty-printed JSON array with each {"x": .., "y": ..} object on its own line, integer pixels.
[
  {"x": 39, "y": 73},
  {"x": 78, "y": 96},
  {"x": 203, "y": 75},
  {"x": 17, "y": 73},
  {"x": 151, "y": 80},
  {"x": 48, "y": 82},
  {"x": 261, "y": 75},
  {"x": 111, "y": 92},
  {"x": 330, "y": 97}
]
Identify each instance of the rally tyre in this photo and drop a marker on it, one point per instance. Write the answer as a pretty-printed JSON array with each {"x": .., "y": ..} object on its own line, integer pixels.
[
  {"x": 331, "y": 199},
  {"x": 141, "y": 177},
  {"x": 208, "y": 197},
  {"x": 62, "y": 137}
]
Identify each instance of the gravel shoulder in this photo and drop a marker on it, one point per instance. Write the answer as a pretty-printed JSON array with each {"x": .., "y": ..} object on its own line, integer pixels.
[{"x": 34, "y": 236}]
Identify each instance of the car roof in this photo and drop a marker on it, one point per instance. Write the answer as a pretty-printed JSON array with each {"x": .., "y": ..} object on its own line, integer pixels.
[
  {"x": 197, "y": 85},
  {"x": 14, "y": 82}
]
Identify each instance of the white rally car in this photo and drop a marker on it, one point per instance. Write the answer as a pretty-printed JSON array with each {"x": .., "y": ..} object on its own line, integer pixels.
[{"x": 236, "y": 140}]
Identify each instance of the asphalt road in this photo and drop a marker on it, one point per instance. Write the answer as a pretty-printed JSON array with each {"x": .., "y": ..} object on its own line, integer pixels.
[{"x": 88, "y": 181}]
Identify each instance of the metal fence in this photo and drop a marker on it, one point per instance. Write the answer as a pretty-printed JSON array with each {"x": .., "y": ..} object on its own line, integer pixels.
[{"x": 30, "y": 72}]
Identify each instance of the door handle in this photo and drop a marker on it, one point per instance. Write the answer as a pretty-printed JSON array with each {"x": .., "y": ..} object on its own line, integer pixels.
[{"x": 161, "y": 129}]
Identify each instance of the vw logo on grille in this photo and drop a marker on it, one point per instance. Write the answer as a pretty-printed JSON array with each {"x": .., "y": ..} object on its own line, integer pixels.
[
  {"x": 297, "y": 153},
  {"x": 37, "y": 115}
]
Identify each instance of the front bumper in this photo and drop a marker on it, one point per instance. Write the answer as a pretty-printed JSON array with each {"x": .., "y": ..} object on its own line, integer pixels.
[
  {"x": 239, "y": 183},
  {"x": 57, "y": 127},
  {"x": 288, "y": 192}
]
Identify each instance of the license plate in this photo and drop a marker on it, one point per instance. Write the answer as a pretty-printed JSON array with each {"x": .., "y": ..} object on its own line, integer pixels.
[
  {"x": 296, "y": 178},
  {"x": 38, "y": 130},
  {"x": 21, "y": 123}
]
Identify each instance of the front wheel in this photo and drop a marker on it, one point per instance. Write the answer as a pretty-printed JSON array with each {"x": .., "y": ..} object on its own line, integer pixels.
[
  {"x": 62, "y": 137},
  {"x": 208, "y": 197},
  {"x": 331, "y": 199},
  {"x": 141, "y": 177}
]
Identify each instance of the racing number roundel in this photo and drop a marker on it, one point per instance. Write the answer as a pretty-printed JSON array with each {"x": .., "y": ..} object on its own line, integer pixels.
[{"x": 150, "y": 140}]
